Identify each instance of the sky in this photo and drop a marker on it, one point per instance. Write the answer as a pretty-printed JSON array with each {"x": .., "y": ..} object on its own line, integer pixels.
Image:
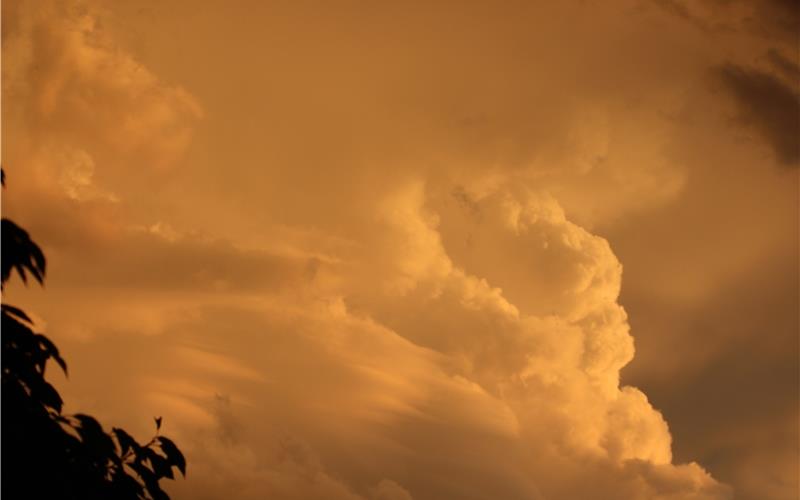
[{"x": 420, "y": 250}]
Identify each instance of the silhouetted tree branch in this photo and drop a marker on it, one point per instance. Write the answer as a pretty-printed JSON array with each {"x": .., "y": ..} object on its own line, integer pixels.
[{"x": 47, "y": 454}]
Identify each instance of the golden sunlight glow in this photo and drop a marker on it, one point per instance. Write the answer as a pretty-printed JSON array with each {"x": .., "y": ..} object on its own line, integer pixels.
[{"x": 421, "y": 250}]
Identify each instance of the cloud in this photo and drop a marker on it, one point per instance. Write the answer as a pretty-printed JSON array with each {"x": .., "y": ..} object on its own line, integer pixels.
[
  {"x": 389, "y": 490},
  {"x": 85, "y": 103},
  {"x": 748, "y": 343},
  {"x": 442, "y": 384},
  {"x": 785, "y": 65},
  {"x": 772, "y": 20},
  {"x": 324, "y": 302},
  {"x": 754, "y": 62},
  {"x": 768, "y": 106}
]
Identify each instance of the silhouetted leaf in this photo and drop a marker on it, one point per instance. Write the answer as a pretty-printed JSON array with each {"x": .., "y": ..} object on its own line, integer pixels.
[
  {"x": 150, "y": 481},
  {"x": 19, "y": 328},
  {"x": 157, "y": 493},
  {"x": 161, "y": 465},
  {"x": 52, "y": 351},
  {"x": 126, "y": 486},
  {"x": 20, "y": 253},
  {"x": 92, "y": 435},
  {"x": 174, "y": 455},
  {"x": 48, "y": 454},
  {"x": 49, "y": 396},
  {"x": 126, "y": 442},
  {"x": 18, "y": 313}
]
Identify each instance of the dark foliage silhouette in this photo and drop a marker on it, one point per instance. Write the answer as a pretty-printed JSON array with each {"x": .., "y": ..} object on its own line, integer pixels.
[{"x": 47, "y": 454}]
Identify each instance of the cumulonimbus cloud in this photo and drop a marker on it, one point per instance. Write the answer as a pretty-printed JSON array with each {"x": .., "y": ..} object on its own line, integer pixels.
[{"x": 462, "y": 339}]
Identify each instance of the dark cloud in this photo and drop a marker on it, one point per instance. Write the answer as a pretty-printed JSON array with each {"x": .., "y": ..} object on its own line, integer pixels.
[
  {"x": 777, "y": 21},
  {"x": 675, "y": 7},
  {"x": 782, "y": 16},
  {"x": 788, "y": 67},
  {"x": 740, "y": 403},
  {"x": 768, "y": 106}
]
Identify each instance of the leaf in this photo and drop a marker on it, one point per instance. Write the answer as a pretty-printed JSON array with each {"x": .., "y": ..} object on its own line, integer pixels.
[
  {"x": 150, "y": 481},
  {"x": 48, "y": 396},
  {"x": 20, "y": 253},
  {"x": 17, "y": 313},
  {"x": 126, "y": 442},
  {"x": 94, "y": 437},
  {"x": 174, "y": 455},
  {"x": 160, "y": 464},
  {"x": 158, "y": 423},
  {"x": 144, "y": 472},
  {"x": 126, "y": 486},
  {"x": 21, "y": 271},
  {"x": 157, "y": 493},
  {"x": 89, "y": 423},
  {"x": 52, "y": 351}
]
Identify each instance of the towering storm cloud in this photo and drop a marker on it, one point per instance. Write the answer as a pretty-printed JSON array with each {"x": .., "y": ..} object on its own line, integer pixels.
[{"x": 356, "y": 251}]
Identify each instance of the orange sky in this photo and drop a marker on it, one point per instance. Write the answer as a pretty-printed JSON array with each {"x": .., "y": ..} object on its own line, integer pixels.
[{"x": 375, "y": 251}]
